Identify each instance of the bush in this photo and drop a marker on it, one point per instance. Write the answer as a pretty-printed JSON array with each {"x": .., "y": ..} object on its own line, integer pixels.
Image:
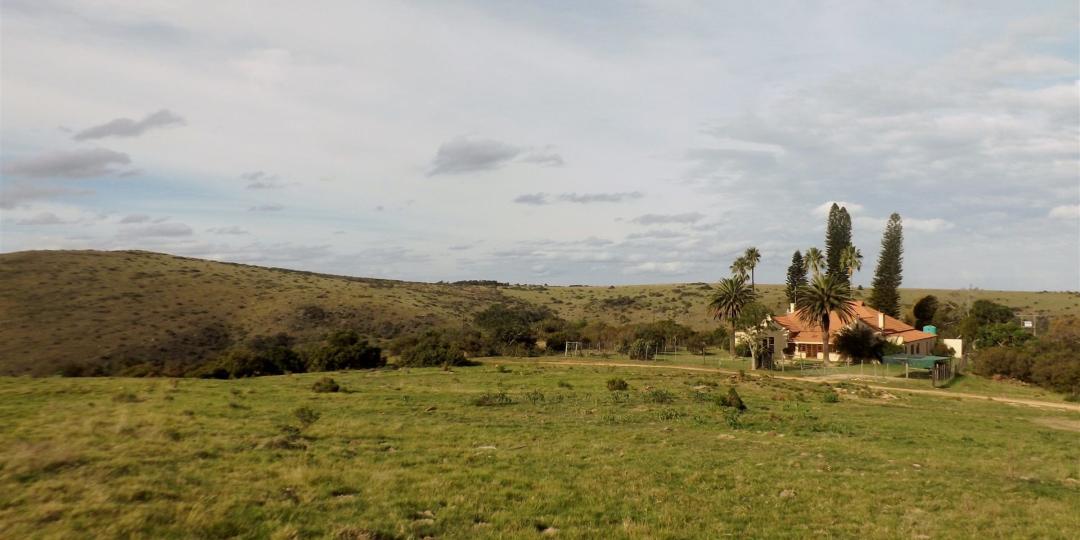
[
  {"x": 733, "y": 419},
  {"x": 79, "y": 369},
  {"x": 641, "y": 349},
  {"x": 733, "y": 400},
  {"x": 126, "y": 397},
  {"x": 830, "y": 397},
  {"x": 432, "y": 348},
  {"x": 940, "y": 349},
  {"x": 1007, "y": 334},
  {"x": 492, "y": 399},
  {"x": 325, "y": 385},
  {"x": 659, "y": 396},
  {"x": 345, "y": 350},
  {"x": 617, "y": 385},
  {"x": 1008, "y": 362},
  {"x": 742, "y": 349},
  {"x": 510, "y": 329},
  {"x": 859, "y": 343},
  {"x": 306, "y": 416},
  {"x": 263, "y": 355}
]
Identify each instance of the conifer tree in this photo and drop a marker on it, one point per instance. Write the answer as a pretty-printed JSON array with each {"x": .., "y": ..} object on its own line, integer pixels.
[
  {"x": 837, "y": 239},
  {"x": 796, "y": 276},
  {"x": 889, "y": 273}
]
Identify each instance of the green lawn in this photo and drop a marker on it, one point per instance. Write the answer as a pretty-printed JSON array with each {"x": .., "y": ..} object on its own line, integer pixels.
[{"x": 408, "y": 453}]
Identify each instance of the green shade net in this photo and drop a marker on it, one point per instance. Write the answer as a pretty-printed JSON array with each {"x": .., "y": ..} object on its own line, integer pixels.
[{"x": 914, "y": 360}]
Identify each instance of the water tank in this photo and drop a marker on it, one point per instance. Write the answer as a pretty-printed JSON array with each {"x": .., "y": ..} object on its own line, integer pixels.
[{"x": 930, "y": 329}]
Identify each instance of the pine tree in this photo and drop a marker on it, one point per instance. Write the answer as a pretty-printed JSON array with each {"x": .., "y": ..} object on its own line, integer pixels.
[
  {"x": 889, "y": 273},
  {"x": 837, "y": 239},
  {"x": 796, "y": 276}
]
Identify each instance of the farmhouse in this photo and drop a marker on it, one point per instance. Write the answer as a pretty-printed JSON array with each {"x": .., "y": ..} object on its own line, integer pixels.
[{"x": 791, "y": 337}]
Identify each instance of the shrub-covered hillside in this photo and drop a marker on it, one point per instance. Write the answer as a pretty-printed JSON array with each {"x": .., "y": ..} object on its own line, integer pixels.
[{"x": 92, "y": 307}]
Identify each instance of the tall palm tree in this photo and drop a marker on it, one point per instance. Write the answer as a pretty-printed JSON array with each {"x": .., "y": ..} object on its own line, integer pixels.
[
  {"x": 851, "y": 260},
  {"x": 752, "y": 256},
  {"x": 732, "y": 295},
  {"x": 740, "y": 267},
  {"x": 814, "y": 260},
  {"x": 824, "y": 295}
]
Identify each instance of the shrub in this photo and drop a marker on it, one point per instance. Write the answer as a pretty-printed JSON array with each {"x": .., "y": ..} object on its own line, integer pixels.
[
  {"x": 79, "y": 369},
  {"x": 306, "y": 416},
  {"x": 941, "y": 349},
  {"x": 1009, "y": 362},
  {"x": 324, "y": 385},
  {"x": 830, "y": 397},
  {"x": 564, "y": 384},
  {"x": 510, "y": 329},
  {"x": 432, "y": 348},
  {"x": 534, "y": 396},
  {"x": 859, "y": 343},
  {"x": 126, "y": 397},
  {"x": 617, "y": 384},
  {"x": 669, "y": 414},
  {"x": 657, "y": 395},
  {"x": 742, "y": 349},
  {"x": 733, "y": 400},
  {"x": 641, "y": 349},
  {"x": 1007, "y": 334},
  {"x": 345, "y": 350},
  {"x": 492, "y": 399},
  {"x": 733, "y": 419}
]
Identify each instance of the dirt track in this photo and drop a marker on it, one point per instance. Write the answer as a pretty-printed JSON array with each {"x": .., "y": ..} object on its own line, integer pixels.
[{"x": 1073, "y": 407}]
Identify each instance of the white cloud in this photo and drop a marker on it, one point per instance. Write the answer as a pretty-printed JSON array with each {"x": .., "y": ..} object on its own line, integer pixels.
[
  {"x": 965, "y": 126},
  {"x": 660, "y": 268},
  {"x": 822, "y": 210},
  {"x": 1066, "y": 212}
]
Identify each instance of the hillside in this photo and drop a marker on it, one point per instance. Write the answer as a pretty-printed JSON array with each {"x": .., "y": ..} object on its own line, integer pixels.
[{"x": 92, "y": 306}]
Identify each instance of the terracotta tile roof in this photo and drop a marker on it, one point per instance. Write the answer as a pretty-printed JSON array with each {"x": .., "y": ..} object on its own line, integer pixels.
[{"x": 804, "y": 332}]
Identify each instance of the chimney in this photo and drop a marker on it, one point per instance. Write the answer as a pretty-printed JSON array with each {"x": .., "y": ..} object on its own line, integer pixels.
[
  {"x": 791, "y": 308},
  {"x": 881, "y": 320}
]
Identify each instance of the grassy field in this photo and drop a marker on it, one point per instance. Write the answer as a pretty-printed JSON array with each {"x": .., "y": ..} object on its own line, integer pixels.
[
  {"x": 92, "y": 306},
  {"x": 522, "y": 449}
]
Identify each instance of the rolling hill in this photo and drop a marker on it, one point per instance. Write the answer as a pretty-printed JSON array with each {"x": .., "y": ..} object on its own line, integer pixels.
[{"x": 92, "y": 306}]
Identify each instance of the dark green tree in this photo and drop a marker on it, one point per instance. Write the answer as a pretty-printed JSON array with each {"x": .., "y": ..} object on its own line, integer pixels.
[
  {"x": 796, "y": 276},
  {"x": 889, "y": 273},
  {"x": 924, "y": 311},
  {"x": 837, "y": 240},
  {"x": 859, "y": 343}
]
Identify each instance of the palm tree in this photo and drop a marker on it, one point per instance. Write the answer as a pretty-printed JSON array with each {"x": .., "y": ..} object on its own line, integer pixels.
[
  {"x": 825, "y": 295},
  {"x": 732, "y": 295},
  {"x": 851, "y": 260},
  {"x": 740, "y": 267},
  {"x": 752, "y": 256},
  {"x": 814, "y": 260}
]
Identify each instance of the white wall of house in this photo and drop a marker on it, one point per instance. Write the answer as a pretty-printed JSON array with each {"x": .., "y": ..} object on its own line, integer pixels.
[{"x": 957, "y": 345}]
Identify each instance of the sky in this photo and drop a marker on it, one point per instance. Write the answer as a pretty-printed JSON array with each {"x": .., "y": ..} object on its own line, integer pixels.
[{"x": 557, "y": 142}]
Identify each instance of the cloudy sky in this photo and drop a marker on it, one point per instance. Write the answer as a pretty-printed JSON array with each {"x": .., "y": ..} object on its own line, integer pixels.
[{"x": 568, "y": 142}]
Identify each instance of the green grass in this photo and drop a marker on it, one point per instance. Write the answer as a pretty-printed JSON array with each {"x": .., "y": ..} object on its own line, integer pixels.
[{"x": 419, "y": 452}]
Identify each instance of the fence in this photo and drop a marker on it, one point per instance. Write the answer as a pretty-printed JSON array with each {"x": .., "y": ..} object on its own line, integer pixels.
[{"x": 943, "y": 372}]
